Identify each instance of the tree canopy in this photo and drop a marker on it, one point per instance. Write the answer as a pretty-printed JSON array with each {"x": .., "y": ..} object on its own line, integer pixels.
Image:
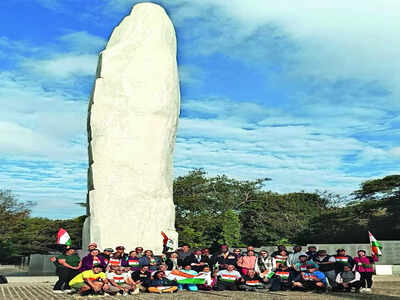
[{"x": 215, "y": 210}]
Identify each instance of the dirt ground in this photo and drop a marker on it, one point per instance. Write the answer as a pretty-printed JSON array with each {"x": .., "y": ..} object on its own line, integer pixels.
[{"x": 383, "y": 290}]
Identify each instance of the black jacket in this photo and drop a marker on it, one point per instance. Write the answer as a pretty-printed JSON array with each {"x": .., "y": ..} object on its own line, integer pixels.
[
  {"x": 192, "y": 260},
  {"x": 223, "y": 261}
]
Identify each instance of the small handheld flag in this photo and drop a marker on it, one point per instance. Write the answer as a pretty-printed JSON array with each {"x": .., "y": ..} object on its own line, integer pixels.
[
  {"x": 376, "y": 247},
  {"x": 63, "y": 237},
  {"x": 168, "y": 244}
]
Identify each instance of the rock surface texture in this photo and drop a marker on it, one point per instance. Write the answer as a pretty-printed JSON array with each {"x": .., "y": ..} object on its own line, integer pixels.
[{"x": 133, "y": 116}]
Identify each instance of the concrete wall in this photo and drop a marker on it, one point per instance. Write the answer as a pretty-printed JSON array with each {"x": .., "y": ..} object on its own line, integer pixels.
[
  {"x": 391, "y": 251},
  {"x": 41, "y": 265}
]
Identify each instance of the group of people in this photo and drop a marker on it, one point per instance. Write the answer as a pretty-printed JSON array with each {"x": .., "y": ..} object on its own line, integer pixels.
[{"x": 139, "y": 270}]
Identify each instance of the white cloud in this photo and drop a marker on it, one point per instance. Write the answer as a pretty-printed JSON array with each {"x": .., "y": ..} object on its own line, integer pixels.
[
  {"x": 83, "y": 42},
  {"x": 395, "y": 151},
  {"x": 190, "y": 75},
  {"x": 296, "y": 152},
  {"x": 63, "y": 65}
]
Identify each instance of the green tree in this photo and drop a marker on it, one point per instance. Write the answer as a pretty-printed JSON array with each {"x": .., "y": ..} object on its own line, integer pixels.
[{"x": 12, "y": 215}]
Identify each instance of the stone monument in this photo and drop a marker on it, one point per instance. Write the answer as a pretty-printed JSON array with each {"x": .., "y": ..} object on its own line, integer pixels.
[{"x": 132, "y": 122}]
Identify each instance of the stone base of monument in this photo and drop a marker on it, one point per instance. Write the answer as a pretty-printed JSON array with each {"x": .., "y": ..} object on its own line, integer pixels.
[
  {"x": 40, "y": 265},
  {"x": 383, "y": 270}
]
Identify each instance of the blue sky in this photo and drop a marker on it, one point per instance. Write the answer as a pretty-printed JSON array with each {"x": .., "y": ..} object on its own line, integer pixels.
[{"x": 303, "y": 92}]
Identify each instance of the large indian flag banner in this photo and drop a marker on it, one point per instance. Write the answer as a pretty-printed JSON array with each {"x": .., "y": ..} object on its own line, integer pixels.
[
  {"x": 186, "y": 278},
  {"x": 63, "y": 237},
  {"x": 376, "y": 247}
]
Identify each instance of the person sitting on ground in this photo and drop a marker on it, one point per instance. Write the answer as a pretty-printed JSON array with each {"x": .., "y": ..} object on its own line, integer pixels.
[
  {"x": 149, "y": 260},
  {"x": 227, "y": 279},
  {"x": 210, "y": 281},
  {"x": 92, "y": 281},
  {"x": 264, "y": 264},
  {"x": 294, "y": 257},
  {"x": 347, "y": 280},
  {"x": 326, "y": 264},
  {"x": 224, "y": 258},
  {"x": 140, "y": 276},
  {"x": 174, "y": 262},
  {"x": 160, "y": 284},
  {"x": 184, "y": 251},
  {"x": 196, "y": 260},
  {"x": 162, "y": 267},
  {"x": 69, "y": 264},
  {"x": 312, "y": 279},
  {"x": 365, "y": 266},
  {"x": 280, "y": 248},
  {"x": 281, "y": 258},
  {"x": 281, "y": 279},
  {"x": 91, "y": 260},
  {"x": 189, "y": 286},
  {"x": 247, "y": 262},
  {"x": 252, "y": 281},
  {"x": 342, "y": 259},
  {"x": 106, "y": 254},
  {"x": 120, "y": 282},
  {"x": 133, "y": 261},
  {"x": 304, "y": 264},
  {"x": 312, "y": 252}
]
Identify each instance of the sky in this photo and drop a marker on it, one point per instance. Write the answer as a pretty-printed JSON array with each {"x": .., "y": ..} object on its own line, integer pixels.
[{"x": 304, "y": 92}]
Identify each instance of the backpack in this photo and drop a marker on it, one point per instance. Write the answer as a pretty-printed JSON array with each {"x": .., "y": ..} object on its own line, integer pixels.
[{"x": 3, "y": 279}]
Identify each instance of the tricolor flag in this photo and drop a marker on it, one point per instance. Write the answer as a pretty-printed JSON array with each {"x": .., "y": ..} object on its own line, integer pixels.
[
  {"x": 186, "y": 278},
  {"x": 376, "y": 247},
  {"x": 63, "y": 237}
]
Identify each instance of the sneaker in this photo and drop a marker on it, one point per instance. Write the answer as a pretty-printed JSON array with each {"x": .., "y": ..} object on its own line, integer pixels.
[
  {"x": 58, "y": 292},
  {"x": 368, "y": 290},
  {"x": 68, "y": 291}
]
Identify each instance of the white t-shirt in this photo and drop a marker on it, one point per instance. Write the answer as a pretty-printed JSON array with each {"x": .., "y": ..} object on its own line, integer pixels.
[
  {"x": 229, "y": 276},
  {"x": 118, "y": 278}
]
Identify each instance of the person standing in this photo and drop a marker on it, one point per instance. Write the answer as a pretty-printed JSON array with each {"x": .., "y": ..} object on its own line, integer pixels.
[
  {"x": 184, "y": 252},
  {"x": 264, "y": 264},
  {"x": 224, "y": 258},
  {"x": 196, "y": 260},
  {"x": 342, "y": 259},
  {"x": 149, "y": 260},
  {"x": 326, "y": 264},
  {"x": 247, "y": 262},
  {"x": 91, "y": 260},
  {"x": 294, "y": 257},
  {"x": 365, "y": 266},
  {"x": 68, "y": 266}
]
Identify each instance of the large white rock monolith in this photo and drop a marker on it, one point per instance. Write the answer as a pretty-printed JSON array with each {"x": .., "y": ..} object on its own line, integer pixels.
[{"x": 133, "y": 116}]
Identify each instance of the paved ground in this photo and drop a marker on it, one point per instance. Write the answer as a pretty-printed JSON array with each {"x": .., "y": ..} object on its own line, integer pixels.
[{"x": 384, "y": 290}]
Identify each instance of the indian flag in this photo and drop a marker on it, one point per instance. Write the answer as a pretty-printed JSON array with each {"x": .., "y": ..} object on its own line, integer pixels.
[
  {"x": 63, "y": 237},
  {"x": 342, "y": 259},
  {"x": 253, "y": 282},
  {"x": 376, "y": 247},
  {"x": 186, "y": 278},
  {"x": 283, "y": 275}
]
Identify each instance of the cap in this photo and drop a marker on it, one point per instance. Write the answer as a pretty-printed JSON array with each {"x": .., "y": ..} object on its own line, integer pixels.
[
  {"x": 109, "y": 249},
  {"x": 92, "y": 244}
]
